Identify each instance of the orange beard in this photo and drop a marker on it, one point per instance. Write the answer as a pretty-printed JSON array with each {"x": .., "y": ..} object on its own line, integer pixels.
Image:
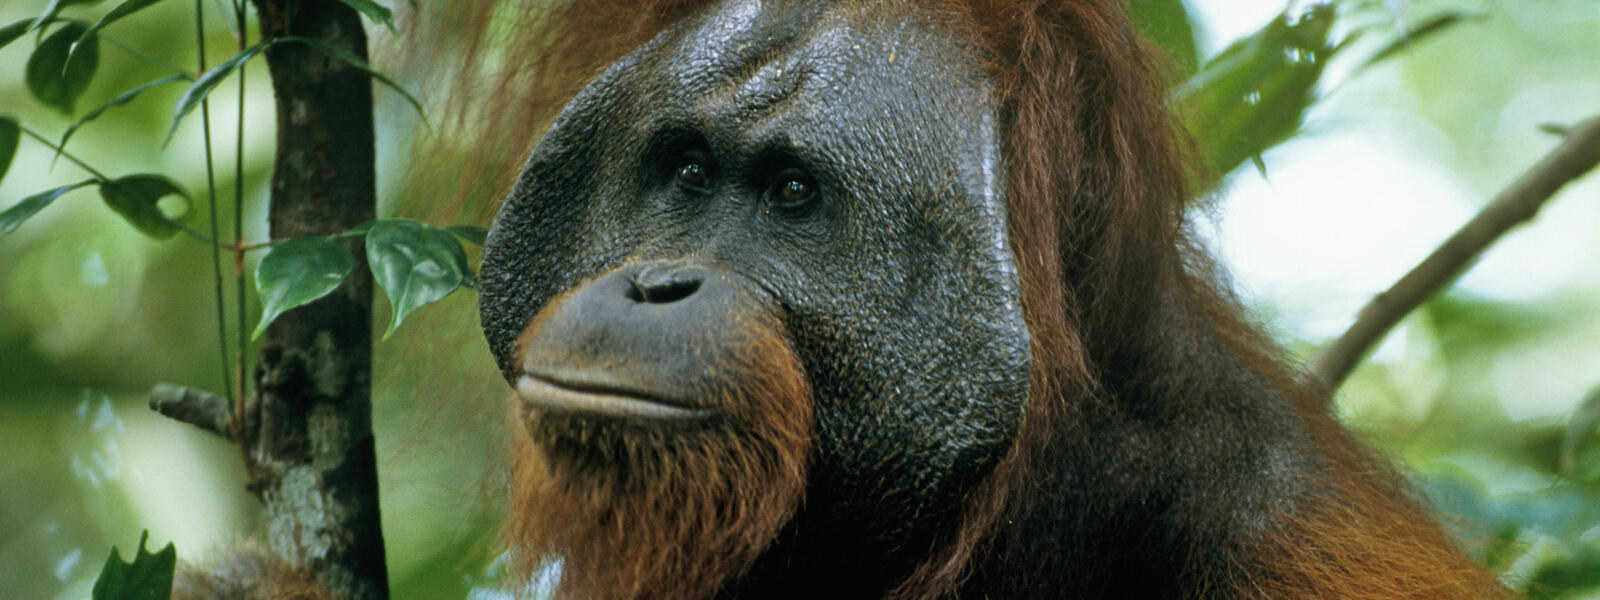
[{"x": 663, "y": 510}]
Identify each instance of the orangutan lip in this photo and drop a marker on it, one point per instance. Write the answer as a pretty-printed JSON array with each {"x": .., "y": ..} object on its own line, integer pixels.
[{"x": 549, "y": 395}]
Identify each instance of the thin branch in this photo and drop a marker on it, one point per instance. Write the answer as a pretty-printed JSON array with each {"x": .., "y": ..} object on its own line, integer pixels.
[
  {"x": 1576, "y": 155},
  {"x": 211, "y": 197},
  {"x": 242, "y": 38},
  {"x": 200, "y": 409},
  {"x": 148, "y": 58},
  {"x": 68, "y": 155},
  {"x": 196, "y": 234}
]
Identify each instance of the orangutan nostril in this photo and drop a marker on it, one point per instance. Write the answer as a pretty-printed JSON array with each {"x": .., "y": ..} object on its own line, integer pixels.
[{"x": 661, "y": 286}]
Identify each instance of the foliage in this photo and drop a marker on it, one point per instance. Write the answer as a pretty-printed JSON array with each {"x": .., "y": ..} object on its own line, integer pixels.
[
  {"x": 148, "y": 577},
  {"x": 59, "y": 70},
  {"x": 1254, "y": 94},
  {"x": 415, "y": 264},
  {"x": 298, "y": 271}
]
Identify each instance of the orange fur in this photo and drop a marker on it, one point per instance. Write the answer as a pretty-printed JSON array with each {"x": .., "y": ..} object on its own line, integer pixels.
[
  {"x": 249, "y": 572},
  {"x": 642, "y": 511},
  {"x": 1365, "y": 539}
]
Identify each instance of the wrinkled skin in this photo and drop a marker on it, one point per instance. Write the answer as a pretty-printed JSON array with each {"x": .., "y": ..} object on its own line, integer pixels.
[{"x": 892, "y": 273}]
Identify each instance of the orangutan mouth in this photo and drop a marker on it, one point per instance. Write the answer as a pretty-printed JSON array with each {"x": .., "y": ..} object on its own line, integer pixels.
[{"x": 553, "y": 395}]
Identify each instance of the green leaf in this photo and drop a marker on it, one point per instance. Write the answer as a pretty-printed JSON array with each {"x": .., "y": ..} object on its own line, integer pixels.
[
  {"x": 297, "y": 272},
  {"x": 11, "y": 32},
  {"x": 136, "y": 198},
  {"x": 120, "y": 100},
  {"x": 356, "y": 62},
  {"x": 415, "y": 265},
  {"x": 1468, "y": 511},
  {"x": 54, "y": 9},
  {"x": 1413, "y": 36},
  {"x": 357, "y": 231},
  {"x": 10, "y": 135},
  {"x": 1562, "y": 511},
  {"x": 208, "y": 81},
  {"x": 52, "y": 78},
  {"x": 471, "y": 233},
  {"x": 1557, "y": 577},
  {"x": 1166, "y": 22},
  {"x": 1254, "y": 95},
  {"x": 14, "y": 216},
  {"x": 122, "y": 10},
  {"x": 1583, "y": 420},
  {"x": 148, "y": 577},
  {"x": 377, "y": 12}
]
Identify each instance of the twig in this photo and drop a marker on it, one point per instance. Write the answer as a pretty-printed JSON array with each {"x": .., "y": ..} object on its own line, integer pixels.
[
  {"x": 200, "y": 409},
  {"x": 211, "y": 201},
  {"x": 82, "y": 165},
  {"x": 1576, "y": 155}
]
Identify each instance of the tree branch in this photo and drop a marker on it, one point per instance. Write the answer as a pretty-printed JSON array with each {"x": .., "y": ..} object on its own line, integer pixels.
[
  {"x": 1576, "y": 155},
  {"x": 200, "y": 409}
]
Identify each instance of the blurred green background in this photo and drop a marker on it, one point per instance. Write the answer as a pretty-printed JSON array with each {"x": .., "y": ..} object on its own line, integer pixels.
[{"x": 1474, "y": 393}]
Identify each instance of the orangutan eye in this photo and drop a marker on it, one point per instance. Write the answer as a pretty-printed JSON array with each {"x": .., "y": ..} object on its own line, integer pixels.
[
  {"x": 693, "y": 173},
  {"x": 793, "y": 189}
]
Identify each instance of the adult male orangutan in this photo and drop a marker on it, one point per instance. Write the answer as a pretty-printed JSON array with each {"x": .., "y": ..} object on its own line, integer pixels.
[{"x": 866, "y": 299}]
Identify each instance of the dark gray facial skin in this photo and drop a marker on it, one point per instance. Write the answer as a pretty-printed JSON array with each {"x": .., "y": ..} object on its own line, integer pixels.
[{"x": 895, "y": 275}]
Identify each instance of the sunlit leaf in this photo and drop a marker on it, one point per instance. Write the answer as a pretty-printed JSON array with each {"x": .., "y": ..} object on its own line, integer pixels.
[
  {"x": 14, "y": 216},
  {"x": 1468, "y": 511},
  {"x": 297, "y": 272},
  {"x": 1583, "y": 420},
  {"x": 1558, "y": 577},
  {"x": 10, "y": 135},
  {"x": 11, "y": 32},
  {"x": 377, "y": 12},
  {"x": 1556, "y": 129},
  {"x": 54, "y": 80},
  {"x": 1255, "y": 93},
  {"x": 53, "y": 9},
  {"x": 137, "y": 197},
  {"x": 356, "y": 62},
  {"x": 122, "y": 10},
  {"x": 1166, "y": 22},
  {"x": 148, "y": 577},
  {"x": 1562, "y": 512},
  {"x": 1429, "y": 28},
  {"x": 415, "y": 265},
  {"x": 1469, "y": 328},
  {"x": 120, "y": 100},
  {"x": 208, "y": 81},
  {"x": 470, "y": 233}
]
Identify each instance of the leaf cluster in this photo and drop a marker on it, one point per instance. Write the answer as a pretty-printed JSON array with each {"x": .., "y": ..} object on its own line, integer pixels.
[
  {"x": 1254, "y": 94},
  {"x": 415, "y": 264}
]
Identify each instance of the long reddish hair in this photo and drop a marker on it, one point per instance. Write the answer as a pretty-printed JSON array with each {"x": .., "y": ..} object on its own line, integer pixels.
[{"x": 1097, "y": 201}]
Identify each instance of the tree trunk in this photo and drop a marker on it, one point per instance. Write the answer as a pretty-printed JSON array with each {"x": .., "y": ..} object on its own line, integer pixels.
[{"x": 309, "y": 428}]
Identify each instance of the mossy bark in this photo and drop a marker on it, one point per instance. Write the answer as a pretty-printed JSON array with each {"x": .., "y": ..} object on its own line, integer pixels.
[{"x": 309, "y": 429}]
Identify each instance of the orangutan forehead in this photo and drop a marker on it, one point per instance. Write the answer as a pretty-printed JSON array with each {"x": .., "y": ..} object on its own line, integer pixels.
[{"x": 760, "y": 53}]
